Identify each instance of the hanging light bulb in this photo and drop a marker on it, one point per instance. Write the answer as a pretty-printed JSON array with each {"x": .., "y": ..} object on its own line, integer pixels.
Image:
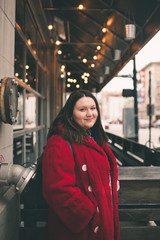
[
  {"x": 59, "y": 52},
  {"x": 80, "y": 7},
  {"x": 104, "y": 30},
  {"x": 50, "y": 27},
  {"x": 29, "y": 42},
  {"x": 84, "y": 60},
  {"x": 58, "y": 42},
  {"x": 92, "y": 65},
  {"x": 95, "y": 57}
]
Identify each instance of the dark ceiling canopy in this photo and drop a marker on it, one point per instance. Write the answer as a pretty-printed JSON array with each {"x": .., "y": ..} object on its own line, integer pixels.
[{"x": 80, "y": 32}]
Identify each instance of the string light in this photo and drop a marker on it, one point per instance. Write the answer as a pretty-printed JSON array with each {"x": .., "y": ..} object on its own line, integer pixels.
[
  {"x": 58, "y": 42},
  {"x": 104, "y": 30},
  {"x": 95, "y": 57},
  {"x": 59, "y": 52},
  {"x": 98, "y": 47},
  {"x": 29, "y": 42},
  {"x": 62, "y": 75},
  {"x": 50, "y": 27},
  {"x": 27, "y": 67},
  {"x": 80, "y": 7},
  {"x": 84, "y": 60},
  {"x": 62, "y": 68}
]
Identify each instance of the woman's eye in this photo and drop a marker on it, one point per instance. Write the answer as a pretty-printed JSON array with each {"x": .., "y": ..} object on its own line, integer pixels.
[
  {"x": 93, "y": 108},
  {"x": 82, "y": 109}
]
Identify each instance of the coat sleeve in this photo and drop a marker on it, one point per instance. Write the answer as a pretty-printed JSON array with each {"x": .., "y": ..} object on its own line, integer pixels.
[{"x": 59, "y": 186}]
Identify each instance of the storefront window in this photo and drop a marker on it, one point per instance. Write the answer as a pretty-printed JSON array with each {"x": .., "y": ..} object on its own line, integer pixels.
[
  {"x": 30, "y": 62},
  {"x": 30, "y": 67},
  {"x": 30, "y": 107}
]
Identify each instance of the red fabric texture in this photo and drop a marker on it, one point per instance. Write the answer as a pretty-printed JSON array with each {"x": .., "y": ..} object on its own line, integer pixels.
[{"x": 82, "y": 204}]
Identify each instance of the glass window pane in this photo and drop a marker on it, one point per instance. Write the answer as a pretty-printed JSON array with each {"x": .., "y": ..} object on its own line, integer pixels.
[
  {"x": 30, "y": 106},
  {"x": 41, "y": 49},
  {"x": 31, "y": 147},
  {"x": 30, "y": 71},
  {"x": 31, "y": 33},
  {"x": 19, "y": 124},
  {"x": 19, "y": 57},
  {"x": 17, "y": 150},
  {"x": 20, "y": 13}
]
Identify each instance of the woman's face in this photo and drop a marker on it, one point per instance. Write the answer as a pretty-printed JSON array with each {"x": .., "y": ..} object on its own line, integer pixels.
[{"x": 85, "y": 112}]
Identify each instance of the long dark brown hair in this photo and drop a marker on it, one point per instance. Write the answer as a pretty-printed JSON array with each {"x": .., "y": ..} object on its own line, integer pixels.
[{"x": 71, "y": 130}]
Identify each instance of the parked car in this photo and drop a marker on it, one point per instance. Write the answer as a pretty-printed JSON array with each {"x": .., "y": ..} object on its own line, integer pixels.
[
  {"x": 157, "y": 124},
  {"x": 144, "y": 123},
  {"x": 106, "y": 126}
]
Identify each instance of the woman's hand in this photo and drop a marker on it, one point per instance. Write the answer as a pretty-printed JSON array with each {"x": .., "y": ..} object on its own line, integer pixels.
[{"x": 118, "y": 185}]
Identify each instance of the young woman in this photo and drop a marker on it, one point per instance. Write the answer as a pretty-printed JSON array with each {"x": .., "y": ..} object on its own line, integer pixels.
[{"x": 80, "y": 174}]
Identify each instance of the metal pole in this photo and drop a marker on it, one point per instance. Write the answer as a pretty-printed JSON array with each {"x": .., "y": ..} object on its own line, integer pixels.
[
  {"x": 135, "y": 99},
  {"x": 150, "y": 114}
]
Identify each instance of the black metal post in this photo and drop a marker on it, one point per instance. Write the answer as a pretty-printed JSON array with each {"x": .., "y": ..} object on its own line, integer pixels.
[
  {"x": 150, "y": 114},
  {"x": 135, "y": 100}
]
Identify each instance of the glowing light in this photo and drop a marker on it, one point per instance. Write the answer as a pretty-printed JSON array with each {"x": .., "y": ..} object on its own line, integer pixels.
[
  {"x": 92, "y": 65},
  {"x": 84, "y": 60},
  {"x": 27, "y": 67},
  {"x": 109, "y": 22},
  {"x": 50, "y": 27},
  {"x": 16, "y": 74},
  {"x": 98, "y": 47},
  {"x": 62, "y": 75},
  {"x": 29, "y": 42},
  {"x": 58, "y": 42},
  {"x": 26, "y": 80},
  {"x": 69, "y": 73},
  {"x": 77, "y": 86},
  {"x": 68, "y": 85},
  {"x": 104, "y": 30},
  {"x": 95, "y": 57},
  {"x": 80, "y": 7},
  {"x": 59, "y": 52},
  {"x": 62, "y": 68}
]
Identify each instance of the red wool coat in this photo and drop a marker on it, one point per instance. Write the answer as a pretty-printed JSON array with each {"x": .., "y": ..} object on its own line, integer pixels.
[{"x": 81, "y": 191}]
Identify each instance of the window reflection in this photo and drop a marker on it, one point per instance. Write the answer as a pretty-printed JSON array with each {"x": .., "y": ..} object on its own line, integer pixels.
[
  {"x": 17, "y": 150},
  {"x": 30, "y": 103},
  {"x": 19, "y": 124},
  {"x": 30, "y": 63},
  {"x": 31, "y": 147}
]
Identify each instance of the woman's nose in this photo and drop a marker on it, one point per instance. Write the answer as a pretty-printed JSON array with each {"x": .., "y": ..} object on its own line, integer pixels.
[{"x": 89, "y": 112}]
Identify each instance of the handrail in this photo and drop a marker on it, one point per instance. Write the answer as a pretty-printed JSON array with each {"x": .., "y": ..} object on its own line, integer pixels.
[
  {"x": 21, "y": 132},
  {"x": 28, "y": 88},
  {"x": 131, "y": 153}
]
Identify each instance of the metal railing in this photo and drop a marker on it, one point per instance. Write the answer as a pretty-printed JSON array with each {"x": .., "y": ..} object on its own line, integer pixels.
[{"x": 131, "y": 153}]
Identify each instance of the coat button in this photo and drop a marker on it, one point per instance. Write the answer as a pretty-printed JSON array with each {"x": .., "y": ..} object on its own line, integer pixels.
[
  {"x": 96, "y": 229},
  {"x": 84, "y": 167},
  {"x": 89, "y": 188}
]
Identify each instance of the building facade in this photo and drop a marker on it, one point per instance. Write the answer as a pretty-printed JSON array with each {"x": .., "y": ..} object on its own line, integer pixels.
[
  {"x": 150, "y": 73},
  {"x": 26, "y": 57}
]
